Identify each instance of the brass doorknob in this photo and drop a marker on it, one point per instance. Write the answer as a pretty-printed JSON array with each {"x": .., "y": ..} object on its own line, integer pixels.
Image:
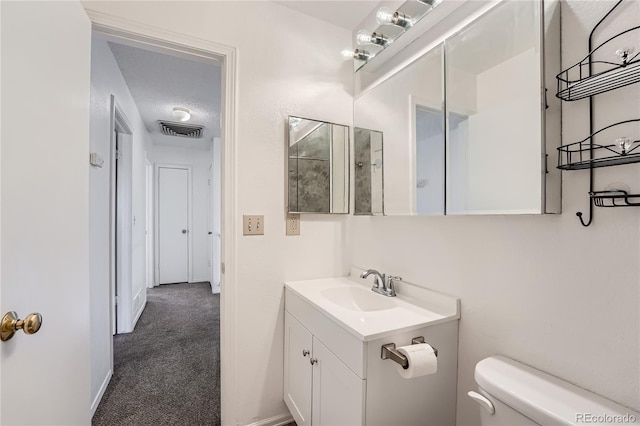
[{"x": 10, "y": 324}]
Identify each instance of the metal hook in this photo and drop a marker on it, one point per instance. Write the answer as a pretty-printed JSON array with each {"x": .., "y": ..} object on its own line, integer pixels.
[{"x": 579, "y": 214}]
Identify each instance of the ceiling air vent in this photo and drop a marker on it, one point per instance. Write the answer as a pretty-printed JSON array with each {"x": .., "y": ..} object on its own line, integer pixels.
[{"x": 179, "y": 129}]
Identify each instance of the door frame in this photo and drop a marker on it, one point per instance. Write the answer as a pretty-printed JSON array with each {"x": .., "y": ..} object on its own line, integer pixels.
[
  {"x": 150, "y": 221},
  {"x": 156, "y": 218},
  {"x": 120, "y": 237},
  {"x": 158, "y": 38}
]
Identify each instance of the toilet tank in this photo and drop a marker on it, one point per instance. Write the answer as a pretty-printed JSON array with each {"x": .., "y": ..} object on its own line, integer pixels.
[{"x": 522, "y": 395}]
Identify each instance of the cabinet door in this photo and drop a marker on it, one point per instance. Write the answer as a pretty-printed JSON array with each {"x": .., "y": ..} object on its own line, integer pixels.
[
  {"x": 495, "y": 113},
  {"x": 338, "y": 393},
  {"x": 297, "y": 370}
]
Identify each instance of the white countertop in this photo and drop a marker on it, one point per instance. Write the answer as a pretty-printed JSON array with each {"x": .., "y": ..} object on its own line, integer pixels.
[{"x": 421, "y": 307}]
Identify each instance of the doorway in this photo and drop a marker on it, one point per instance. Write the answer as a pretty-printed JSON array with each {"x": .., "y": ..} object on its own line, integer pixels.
[{"x": 139, "y": 221}]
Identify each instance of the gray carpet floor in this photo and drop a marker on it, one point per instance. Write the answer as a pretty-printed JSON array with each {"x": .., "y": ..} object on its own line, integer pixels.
[{"x": 167, "y": 371}]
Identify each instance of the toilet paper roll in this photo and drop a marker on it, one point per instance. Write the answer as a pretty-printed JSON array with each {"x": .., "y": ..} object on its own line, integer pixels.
[{"x": 422, "y": 360}]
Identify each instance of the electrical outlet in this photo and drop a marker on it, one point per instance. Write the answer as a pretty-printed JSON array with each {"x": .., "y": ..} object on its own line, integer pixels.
[
  {"x": 252, "y": 224},
  {"x": 293, "y": 224}
]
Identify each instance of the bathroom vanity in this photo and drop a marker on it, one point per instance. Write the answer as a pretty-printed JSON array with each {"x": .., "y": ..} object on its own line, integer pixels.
[{"x": 333, "y": 371}]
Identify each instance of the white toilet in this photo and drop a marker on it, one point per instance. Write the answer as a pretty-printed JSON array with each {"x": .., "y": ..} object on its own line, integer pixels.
[{"x": 513, "y": 394}]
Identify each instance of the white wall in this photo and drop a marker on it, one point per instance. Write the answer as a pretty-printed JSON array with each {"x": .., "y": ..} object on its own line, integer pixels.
[
  {"x": 541, "y": 289},
  {"x": 199, "y": 161},
  {"x": 106, "y": 80},
  {"x": 288, "y": 63}
]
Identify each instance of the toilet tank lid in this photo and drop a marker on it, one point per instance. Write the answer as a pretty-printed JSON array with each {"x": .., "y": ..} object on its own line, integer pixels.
[{"x": 545, "y": 399}]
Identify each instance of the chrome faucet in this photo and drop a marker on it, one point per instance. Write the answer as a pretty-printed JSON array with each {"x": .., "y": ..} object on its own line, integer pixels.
[{"x": 382, "y": 284}]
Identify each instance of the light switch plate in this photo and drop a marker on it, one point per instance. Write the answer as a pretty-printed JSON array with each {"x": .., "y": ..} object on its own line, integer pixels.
[
  {"x": 293, "y": 224},
  {"x": 252, "y": 224}
]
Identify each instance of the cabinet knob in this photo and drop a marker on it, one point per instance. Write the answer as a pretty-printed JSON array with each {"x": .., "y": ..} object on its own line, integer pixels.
[
  {"x": 313, "y": 361},
  {"x": 305, "y": 352}
]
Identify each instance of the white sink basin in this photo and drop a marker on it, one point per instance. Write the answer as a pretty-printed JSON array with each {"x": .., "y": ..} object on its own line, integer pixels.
[
  {"x": 353, "y": 306},
  {"x": 358, "y": 299}
]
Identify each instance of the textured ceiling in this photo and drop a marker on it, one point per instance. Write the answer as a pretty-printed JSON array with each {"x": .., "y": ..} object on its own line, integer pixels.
[
  {"x": 345, "y": 14},
  {"x": 158, "y": 82}
]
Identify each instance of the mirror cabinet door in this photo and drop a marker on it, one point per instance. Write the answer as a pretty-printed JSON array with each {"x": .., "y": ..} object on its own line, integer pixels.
[
  {"x": 318, "y": 167},
  {"x": 494, "y": 113},
  {"x": 407, "y": 112},
  {"x": 368, "y": 176}
]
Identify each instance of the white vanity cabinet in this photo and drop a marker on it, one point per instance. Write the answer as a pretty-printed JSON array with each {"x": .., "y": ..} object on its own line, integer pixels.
[
  {"x": 319, "y": 389},
  {"x": 333, "y": 372}
]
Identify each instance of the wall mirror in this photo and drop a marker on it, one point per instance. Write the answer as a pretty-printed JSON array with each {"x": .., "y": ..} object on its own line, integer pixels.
[
  {"x": 407, "y": 110},
  {"x": 318, "y": 167},
  {"x": 495, "y": 114},
  {"x": 486, "y": 153},
  {"x": 368, "y": 176}
]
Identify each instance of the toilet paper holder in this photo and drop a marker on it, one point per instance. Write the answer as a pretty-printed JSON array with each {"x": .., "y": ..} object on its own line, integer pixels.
[{"x": 389, "y": 351}]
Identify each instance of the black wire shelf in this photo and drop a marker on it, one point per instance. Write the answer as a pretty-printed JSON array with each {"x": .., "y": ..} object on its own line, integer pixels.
[
  {"x": 579, "y": 81},
  {"x": 586, "y": 154},
  {"x": 615, "y": 198}
]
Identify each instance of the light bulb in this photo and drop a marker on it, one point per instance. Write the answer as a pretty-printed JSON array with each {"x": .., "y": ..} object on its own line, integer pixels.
[
  {"x": 181, "y": 114},
  {"x": 347, "y": 53},
  {"x": 363, "y": 37},
  {"x": 384, "y": 16},
  {"x": 624, "y": 143},
  {"x": 361, "y": 55}
]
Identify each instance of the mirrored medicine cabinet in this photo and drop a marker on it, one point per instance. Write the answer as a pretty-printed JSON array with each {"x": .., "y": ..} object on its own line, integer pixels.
[
  {"x": 318, "y": 166},
  {"x": 468, "y": 125}
]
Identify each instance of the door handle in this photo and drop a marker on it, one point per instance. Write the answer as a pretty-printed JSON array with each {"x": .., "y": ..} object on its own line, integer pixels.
[
  {"x": 210, "y": 232},
  {"x": 10, "y": 324},
  {"x": 184, "y": 231}
]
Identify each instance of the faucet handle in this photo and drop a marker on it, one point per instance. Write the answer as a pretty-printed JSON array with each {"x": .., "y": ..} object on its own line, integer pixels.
[
  {"x": 389, "y": 287},
  {"x": 392, "y": 278}
]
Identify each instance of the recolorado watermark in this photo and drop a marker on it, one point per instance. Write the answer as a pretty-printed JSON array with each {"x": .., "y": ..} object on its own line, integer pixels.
[{"x": 590, "y": 418}]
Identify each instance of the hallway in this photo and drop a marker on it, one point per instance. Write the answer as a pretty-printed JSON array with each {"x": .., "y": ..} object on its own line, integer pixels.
[{"x": 167, "y": 371}]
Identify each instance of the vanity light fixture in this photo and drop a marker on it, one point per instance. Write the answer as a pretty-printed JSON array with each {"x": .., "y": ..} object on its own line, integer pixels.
[
  {"x": 181, "y": 114},
  {"x": 432, "y": 3},
  {"x": 365, "y": 37},
  {"x": 359, "y": 54},
  {"x": 386, "y": 16}
]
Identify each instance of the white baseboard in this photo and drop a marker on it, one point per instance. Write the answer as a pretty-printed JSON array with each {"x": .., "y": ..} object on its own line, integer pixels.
[
  {"x": 139, "y": 313},
  {"x": 215, "y": 288},
  {"x": 279, "y": 420},
  {"x": 98, "y": 398}
]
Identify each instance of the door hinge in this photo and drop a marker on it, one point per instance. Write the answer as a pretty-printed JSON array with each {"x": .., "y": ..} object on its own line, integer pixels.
[
  {"x": 118, "y": 154},
  {"x": 116, "y": 300},
  {"x": 222, "y": 267}
]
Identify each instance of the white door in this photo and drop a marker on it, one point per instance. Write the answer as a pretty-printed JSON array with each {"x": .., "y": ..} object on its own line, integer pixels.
[
  {"x": 44, "y": 202},
  {"x": 173, "y": 224}
]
